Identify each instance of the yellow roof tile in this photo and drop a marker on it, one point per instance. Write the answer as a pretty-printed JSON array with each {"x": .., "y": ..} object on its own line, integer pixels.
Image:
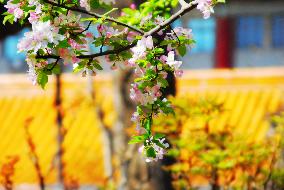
[{"x": 249, "y": 96}]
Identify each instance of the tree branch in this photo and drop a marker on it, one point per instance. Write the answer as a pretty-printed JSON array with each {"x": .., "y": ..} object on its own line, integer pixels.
[
  {"x": 95, "y": 15},
  {"x": 155, "y": 30},
  {"x": 108, "y": 52},
  {"x": 185, "y": 9},
  {"x": 182, "y": 3}
]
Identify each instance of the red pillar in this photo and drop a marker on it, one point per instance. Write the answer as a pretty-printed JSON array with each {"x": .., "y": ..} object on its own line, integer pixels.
[{"x": 224, "y": 43}]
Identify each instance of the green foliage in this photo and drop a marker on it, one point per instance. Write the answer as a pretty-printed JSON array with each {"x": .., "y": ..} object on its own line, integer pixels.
[
  {"x": 217, "y": 154},
  {"x": 42, "y": 79}
]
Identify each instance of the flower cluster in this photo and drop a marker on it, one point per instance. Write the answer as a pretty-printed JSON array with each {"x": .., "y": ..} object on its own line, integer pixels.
[
  {"x": 41, "y": 35},
  {"x": 16, "y": 9},
  {"x": 154, "y": 146},
  {"x": 151, "y": 65},
  {"x": 58, "y": 33},
  {"x": 205, "y": 6}
]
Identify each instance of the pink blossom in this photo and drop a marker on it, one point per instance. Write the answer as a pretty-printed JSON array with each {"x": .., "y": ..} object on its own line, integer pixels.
[
  {"x": 180, "y": 31},
  {"x": 178, "y": 73},
  {"x": 139, "y": 71},
  {"x": 113, "y": 67},
  {"x": 154, "y": 92},
  {"x": 68, "y": 56},
  {"x": 100, "y": 28},
  {"x": 169, "y": 47},
  {"x": 89, "y": 35},
  {"x": 37, "y": 4},
  {"x": 163, "y": 58},
  {"x": 131, "y": 36},
  {"x": 32, "y": 75},
  {"x": 14, "y": 9},
  {"x": 132, "y": 6},
  {"x": 85, "y": 4},
  {"x": 110, "y": 31},
  {"x": 205, "y": 6},
  {"x": 107, "y": 58},
  {"x": 140, "y": 48},
  {"x": 33, "y": 17},
  {"x": 135, "y": 117},
  {"x": 42, "y": 33},
  {"x": 160, "y": 33},
  {"x": 75, "y": 59},
  {"x": 63, "y": 52},
  {"x": 164, "y": 74},
  {"x": 145, "y": 19},
  {"x": 75, "y": 45},
  {"x": 18, "y": 13},
  {"x": 11, "y": 6}
]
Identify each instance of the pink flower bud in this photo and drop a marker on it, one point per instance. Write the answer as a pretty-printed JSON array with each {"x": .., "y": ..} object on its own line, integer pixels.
[
  {"x": 113, "y": 67},
  {"x": 100, "y": 28},
  {"x": 132, "y": 6},
  {"x": 89, "y": 35}
]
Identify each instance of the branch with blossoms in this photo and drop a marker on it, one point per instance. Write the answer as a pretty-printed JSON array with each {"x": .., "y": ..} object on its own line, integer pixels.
[{"x": 142, "y": 38}]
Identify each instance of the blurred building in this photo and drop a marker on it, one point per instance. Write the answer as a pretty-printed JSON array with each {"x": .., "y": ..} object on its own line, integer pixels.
[{"x": 241, "y": 34}]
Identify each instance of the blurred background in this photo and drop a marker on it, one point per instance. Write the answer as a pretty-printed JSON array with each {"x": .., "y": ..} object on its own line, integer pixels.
[{"x": 227, "y": 133}]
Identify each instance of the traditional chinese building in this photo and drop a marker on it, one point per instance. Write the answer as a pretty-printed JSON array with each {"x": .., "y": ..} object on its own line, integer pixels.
[{"x": 240, "y": 34}]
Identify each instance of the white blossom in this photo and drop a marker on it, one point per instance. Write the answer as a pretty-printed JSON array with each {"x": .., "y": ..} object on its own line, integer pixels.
[
  {"x": 171, "y": 61},
  {"x": 42, "y": 33},
  {"x": 205, "y": 6},
  {"x": 140, "y": 48}
]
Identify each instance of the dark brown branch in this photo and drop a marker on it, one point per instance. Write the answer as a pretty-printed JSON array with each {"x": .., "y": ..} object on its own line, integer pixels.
[
  {"x": 95, "y": 15},
  {"x": 108, "y": 52},
  {"x": 87, "y": 28},
  {"x": 173, "y": 18}
]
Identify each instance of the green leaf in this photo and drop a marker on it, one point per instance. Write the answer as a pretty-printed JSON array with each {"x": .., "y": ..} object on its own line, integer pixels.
[
  {"x": 16, "y": 1},
  {"x": 88, "y": 19},
  {"x": 63, "y": 44},
  {"x": 182, "y": 50},
  {"x": 164, "y": 82},
  {"x": 80, "y": 66},
  {"x": 56, "y": 70},
  {"x": 136, "y": 139},
  {"x": 94, "y": 4},
  {"x": 158, "y": 136},
  {"x": 147, "y": 126},
  {"x": 150, "y": 152},
  {"x": 9, "y": 18},
  {"x": 158, "y": 50},
  {"x": 107, "y": 13},
  {"x": 97, "y": 66},
  {"x": 42, "y": 79}
]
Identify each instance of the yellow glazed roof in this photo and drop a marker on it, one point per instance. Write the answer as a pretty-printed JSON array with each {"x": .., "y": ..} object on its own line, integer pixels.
[{"x": 249, "y": 95}]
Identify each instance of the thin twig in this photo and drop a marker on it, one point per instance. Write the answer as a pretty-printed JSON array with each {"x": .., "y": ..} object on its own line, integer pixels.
[
  {"x": 87, "y": 28},
  {"x": 172, "y": 19},
  {"x": 183, "y": 3},
  {"x": 175, "y": 34}
]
